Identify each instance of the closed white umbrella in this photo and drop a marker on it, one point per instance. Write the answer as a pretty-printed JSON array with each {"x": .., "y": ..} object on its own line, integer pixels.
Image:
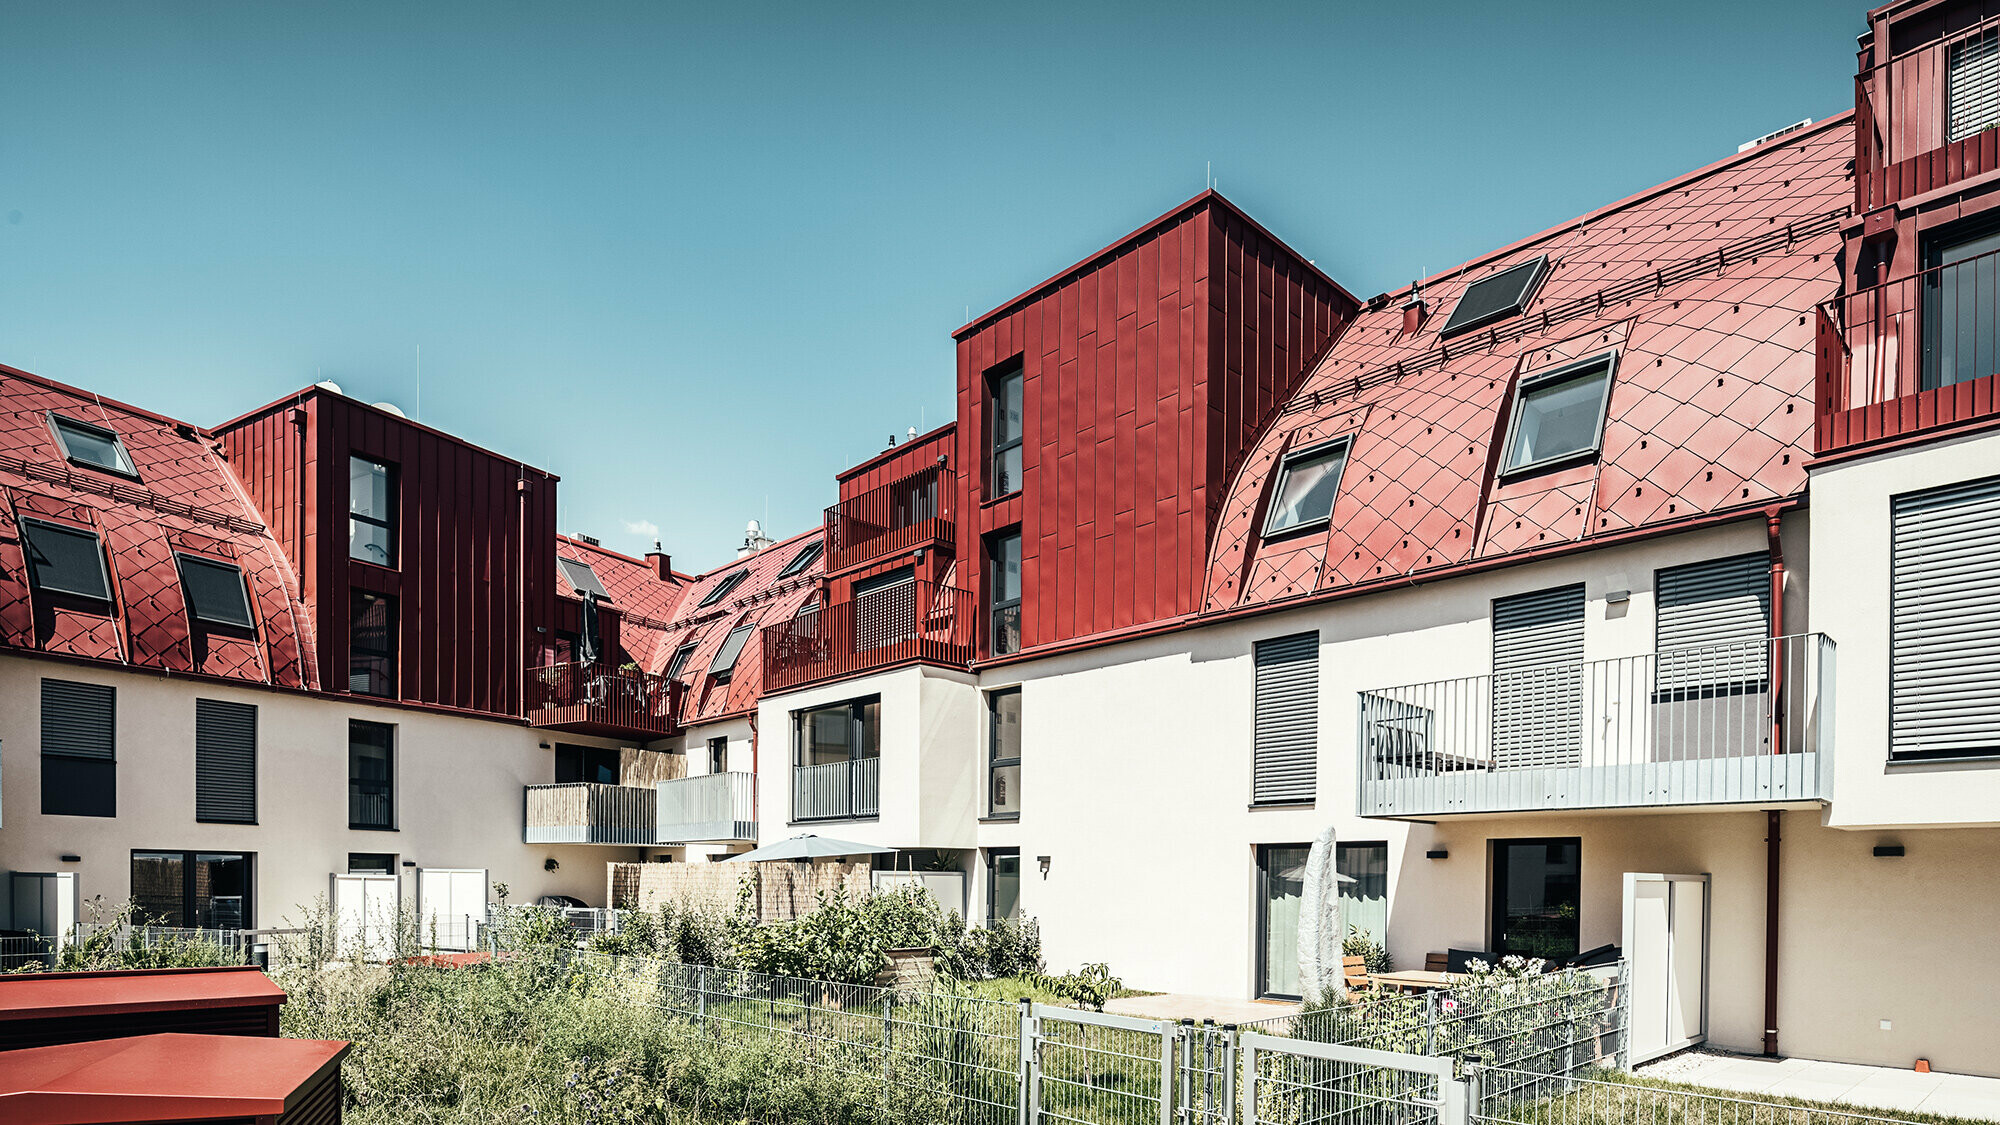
[{"x": 808, "y": 846}]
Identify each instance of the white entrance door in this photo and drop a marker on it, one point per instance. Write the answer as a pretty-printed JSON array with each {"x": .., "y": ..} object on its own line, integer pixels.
[
  {"x": 451, "y": 902},
  {"x": 1666, "y": 947},
  {"x": 364, "y": 913}
]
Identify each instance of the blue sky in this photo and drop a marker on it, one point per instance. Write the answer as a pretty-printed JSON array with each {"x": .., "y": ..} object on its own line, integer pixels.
[{"x": 697, "y": 259}]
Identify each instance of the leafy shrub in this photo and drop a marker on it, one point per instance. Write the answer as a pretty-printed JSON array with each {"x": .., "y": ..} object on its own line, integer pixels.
[
  {"x": 1360, "y": 943},
  {"x": 1089, "y": 986},
  {"x": 682, "y": 932},
  {"x": 1006, "y": 948}
]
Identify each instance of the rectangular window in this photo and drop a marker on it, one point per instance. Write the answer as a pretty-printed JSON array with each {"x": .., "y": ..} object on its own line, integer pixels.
[
  {"x": 1559, "y": 415},
  {"x": 718, "y": 755},
  {"x": 1944, "y": 623},
  {"x": 835, "y": 758},
  {"x": 371, "y": 644},
  {"x": 1003, "y": 770},
  {"x": 596, "y": 765},
  {"x": 1961, "y": 325},
  {"x": 1308, "y": 482},
  {"x": 95, "y": 446},
  {"x": 215, "y": 592},
  {"x": 1713, "y": 626},
  {"x": 724, "y": 663},
  {"x": 581, "y": 578},
  {"x": 1003, "y": 885},
  {"x": 371, "y": 863},
  {"x": 679, "y": 663},
  {"x": 1284, "y": 744},
  {"x": 841, "y": 732},
  {"x": 1972, "y": 85},
  {"x": 1495, "y": 297},
  {"x": 1003, "y": 418},
  {"x": 1003, "y": 590},
  {"x": 1538, "y": 678},
  {"x": 808, "y": 555},
  {"x": 202, "y": 890},
  {"x": 721, "y": 589},
  {"x": 79, "y": 749},
  {"x": 65, "y": 560},
  {"x": 371, "y": 511},
  {"x": 1281, "y": 888},
  {"x": 1537, "y": 891},
  {"x": 1364, "y": 903},
  {"x": 371, "y": 775},
  {"x": 225, "y": 762}
]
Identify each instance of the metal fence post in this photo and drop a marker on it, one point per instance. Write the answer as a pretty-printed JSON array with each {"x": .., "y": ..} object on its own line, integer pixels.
[
  {"x": 1168, "y": 1034},
  {"x": 701, "y": 993},
  {"x": 1228, "y": 1113},
  {"x": 1430, "y": 1022},
  {"x": 1250, "y": 1085},
  {"x": 1473, "y": 1089},
  {"x": 1025, "y": 1110},
  {"x": 1206, "y": 1109},
  {"x": 1185, "y": 1036},
  {"x": 888, "y": 1000}
]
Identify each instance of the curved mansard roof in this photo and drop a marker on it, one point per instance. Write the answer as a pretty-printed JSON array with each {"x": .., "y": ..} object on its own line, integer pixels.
[{"x": 1706, "y": 288}]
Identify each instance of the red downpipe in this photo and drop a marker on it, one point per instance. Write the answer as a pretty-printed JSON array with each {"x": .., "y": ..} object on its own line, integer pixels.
[{"x": 1771, "y": 816}]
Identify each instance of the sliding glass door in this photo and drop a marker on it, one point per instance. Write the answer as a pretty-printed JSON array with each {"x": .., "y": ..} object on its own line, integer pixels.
[{"x": 1281, "y": 884}]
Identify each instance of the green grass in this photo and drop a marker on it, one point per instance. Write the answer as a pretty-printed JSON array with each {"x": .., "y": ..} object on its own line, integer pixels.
[{"x": 1599, "y": 1105}]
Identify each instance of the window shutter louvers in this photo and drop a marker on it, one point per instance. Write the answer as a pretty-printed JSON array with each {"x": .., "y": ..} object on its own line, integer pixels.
[
  {"x": 1538, "y": 678},
  {"x": 1973, "y": 84},
  {"x": 79, "y": 720},
  {"x": 1944, "y": 622},
  {"x": 1285, "y": 745},
  {"x": 225, "y": 762},
  {"x": 1713, "y": 620}
]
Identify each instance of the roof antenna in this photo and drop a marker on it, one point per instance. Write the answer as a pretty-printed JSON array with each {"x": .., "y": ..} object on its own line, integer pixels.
[
  {"x": 1208, "y": 175},
  {"x": 417, "y": 407}
]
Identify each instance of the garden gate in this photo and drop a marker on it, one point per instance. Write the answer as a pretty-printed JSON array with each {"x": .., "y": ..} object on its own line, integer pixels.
[
  {"x": 1094, "y": 1068},
  {"x": 1299, "y": 1082}
]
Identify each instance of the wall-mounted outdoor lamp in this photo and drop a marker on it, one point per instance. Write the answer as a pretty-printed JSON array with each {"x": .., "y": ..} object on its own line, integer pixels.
[
  {"x": 72, "y": 859},
  {"x": 550, "y": 864},
  {"x": 1042, "y": 862},
  {"x": 1888, "y": 851},
  {"x": 1437, "y": 853},
  {"x": 1618, "y": 597}
]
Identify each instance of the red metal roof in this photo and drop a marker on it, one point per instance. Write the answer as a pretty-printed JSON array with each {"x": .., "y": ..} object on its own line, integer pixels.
[
  {"x": 166, "y": 1077},
  {"x": 760, "y": 599},
  {"x": 184, "y": 499},
  {"x": 1705, "y": 286},
  {"x": 126, "y": 991}
]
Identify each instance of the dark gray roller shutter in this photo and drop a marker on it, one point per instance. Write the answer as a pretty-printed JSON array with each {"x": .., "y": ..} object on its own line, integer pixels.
[
  {"x": 1285, "y": 747},
  {"x": 1944, "y": 622},
  {"x": 78, "y": 720},
  {"x": 1714, "y": 622},
  {"x": 225, "y": 762},
  {"x": 1538, "y": 678}
]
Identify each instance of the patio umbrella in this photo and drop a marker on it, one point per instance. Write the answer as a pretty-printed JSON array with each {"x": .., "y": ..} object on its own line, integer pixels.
[
  {"x": 808, "y": 846},
  {"x": 588, "y": 644}
]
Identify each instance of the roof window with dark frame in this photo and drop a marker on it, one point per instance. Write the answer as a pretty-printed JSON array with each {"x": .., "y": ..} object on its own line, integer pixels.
[
  {"x": 1558, "y": 416},
  {"x": 1308, "y": 483},
  {"x": 808, "y": 555},
  {"x": 582, "y": 578},
  {"x": 724, "y": 664},
  {"x": 215, "y": 592},
  {"x": 91, "y": 445},
  {"x": 66, "y": 560},
  {"x": 1496, "y": 297},
  {"x": 679, "y": 662},
  {"x": 722, "y": 588}
]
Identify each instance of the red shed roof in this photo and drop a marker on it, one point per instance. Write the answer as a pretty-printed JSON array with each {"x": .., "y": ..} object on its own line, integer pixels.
[
  {"x": 166, "y": 1077},
  {"x": 122, "y": 992},
  {"x": 1705, "y": 287},
  {"x": 181, "y": 497}
]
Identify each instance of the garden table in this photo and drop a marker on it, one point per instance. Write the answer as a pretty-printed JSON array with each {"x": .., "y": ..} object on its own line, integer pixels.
[{"x": 1414, "y": 980}]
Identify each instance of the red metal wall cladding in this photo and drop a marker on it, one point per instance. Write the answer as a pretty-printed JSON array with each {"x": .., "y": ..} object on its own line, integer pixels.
[
  {"x": 474, "y": 590},
  {"x": 1148, "y": 371}
]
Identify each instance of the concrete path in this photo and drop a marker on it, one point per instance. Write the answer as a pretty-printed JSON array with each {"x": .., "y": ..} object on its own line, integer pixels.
[
  {"x": 1180, "y": 1005},
  {"x": 1874, "y": 1087}
]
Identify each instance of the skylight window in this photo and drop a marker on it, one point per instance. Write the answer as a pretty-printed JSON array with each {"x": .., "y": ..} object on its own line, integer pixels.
[
  {"x": 215, "y": 592},
  {"x": 1308, "y": 482},
  {"x": 680, "y": 660},
  {"x": 581, "y": 577},
  {"x": 722, "y": 588},
  {"x": 807, "y": 555},
  {"x": 732, "y": 647},
  {"x": 95, "y": 446},
  {"x": 1495, "y": 298},
  {"x": 1559, "y": 416},
  {"x": 64, "y": 560}
]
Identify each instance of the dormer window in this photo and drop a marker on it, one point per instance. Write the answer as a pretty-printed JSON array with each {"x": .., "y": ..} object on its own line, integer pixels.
[
  {"x": 1495, "y": 298},
  {"x": 215, "y": 592},
  {"x": 1559, "y": 416},
  {"x": 679, "y": 663},
  {"x": 722, "y": 588},
  {"x": 732, "y": 647},
  {"x": 95, "y": 446},
  {"x": 581, "y": 578},
  {"x": 807, "y": 555},
  {"x": 1308, "y": 482},
  {"x": 66, "y": 560}
]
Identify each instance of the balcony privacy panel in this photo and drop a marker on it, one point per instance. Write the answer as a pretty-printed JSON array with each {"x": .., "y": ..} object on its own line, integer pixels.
[
  {"x": 1286, "y": 737},
  {"x": 1711, "y": 617},
  {"x": 1538, "y": 677},
  {"x": 885, "y": 615},
  {"x": 225, "y": 762},
  {"x": 1944, "y": 674}
]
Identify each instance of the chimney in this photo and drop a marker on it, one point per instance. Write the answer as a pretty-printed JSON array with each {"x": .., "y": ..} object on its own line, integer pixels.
[
  {"x": 1413, "y": 312},
  {"x": 663, "y": 563}
]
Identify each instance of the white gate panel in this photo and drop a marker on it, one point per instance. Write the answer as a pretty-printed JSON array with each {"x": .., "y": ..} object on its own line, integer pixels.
[
  {"x": 1666, "y": 949},
  {"x": 364, "y": 915},
  {"x": 450, "y": 904}
]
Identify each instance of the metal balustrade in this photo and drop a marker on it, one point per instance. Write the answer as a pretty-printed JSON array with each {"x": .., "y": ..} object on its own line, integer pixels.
[
  {"x": 1926, "y": 117},
  {"x": 837, "y": 790},
  {"x": 1725, "y": 724},
  {"x": 902, "y": 515},
  {"x": 593, "y": 699},
  {"x": 712, "y": 808},
  {"x": 581, "y": 812},
  {"x": 898, "y": 624}
]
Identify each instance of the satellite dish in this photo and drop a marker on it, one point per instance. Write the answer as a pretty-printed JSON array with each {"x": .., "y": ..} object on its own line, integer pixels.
[
  {"x": 329, "y": 385},
  {"x": 389, "y": 408}
]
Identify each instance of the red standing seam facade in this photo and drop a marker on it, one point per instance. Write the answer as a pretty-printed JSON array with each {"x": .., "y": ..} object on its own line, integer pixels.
[{"x": 1149, "y": 370}]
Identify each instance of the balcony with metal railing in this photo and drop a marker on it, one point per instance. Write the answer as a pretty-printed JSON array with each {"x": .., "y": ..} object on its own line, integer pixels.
[
  {"x": 1928, "y": 116},
  {"x": 1746, "y": 723},
  {"x": 902, "y": 515},
  {"x": 708, "y": 809},
  {"x": 902, "y": 623},
  {"x": 849, "y": 790},
  {"x": 595, "y": 699},
  {"x": 581, "y": 812},
  {"x": 1911, "y": 354}
]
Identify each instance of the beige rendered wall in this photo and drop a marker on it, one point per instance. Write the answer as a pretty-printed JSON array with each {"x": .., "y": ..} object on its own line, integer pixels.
[{"x": 458, "y": 792}]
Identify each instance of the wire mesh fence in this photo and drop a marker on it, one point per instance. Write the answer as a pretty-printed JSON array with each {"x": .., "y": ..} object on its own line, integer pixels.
[
  {"x": 1298, "y": 1082},
  {"x": 1506, "y": 1096},
  {"x": 1088, "y": 1068}
]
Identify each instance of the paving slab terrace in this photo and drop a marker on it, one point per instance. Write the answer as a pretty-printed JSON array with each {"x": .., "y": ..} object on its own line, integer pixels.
[
  {"x": 1888, "y": 1089},
  {"x": 1182, "y": 1005}
]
